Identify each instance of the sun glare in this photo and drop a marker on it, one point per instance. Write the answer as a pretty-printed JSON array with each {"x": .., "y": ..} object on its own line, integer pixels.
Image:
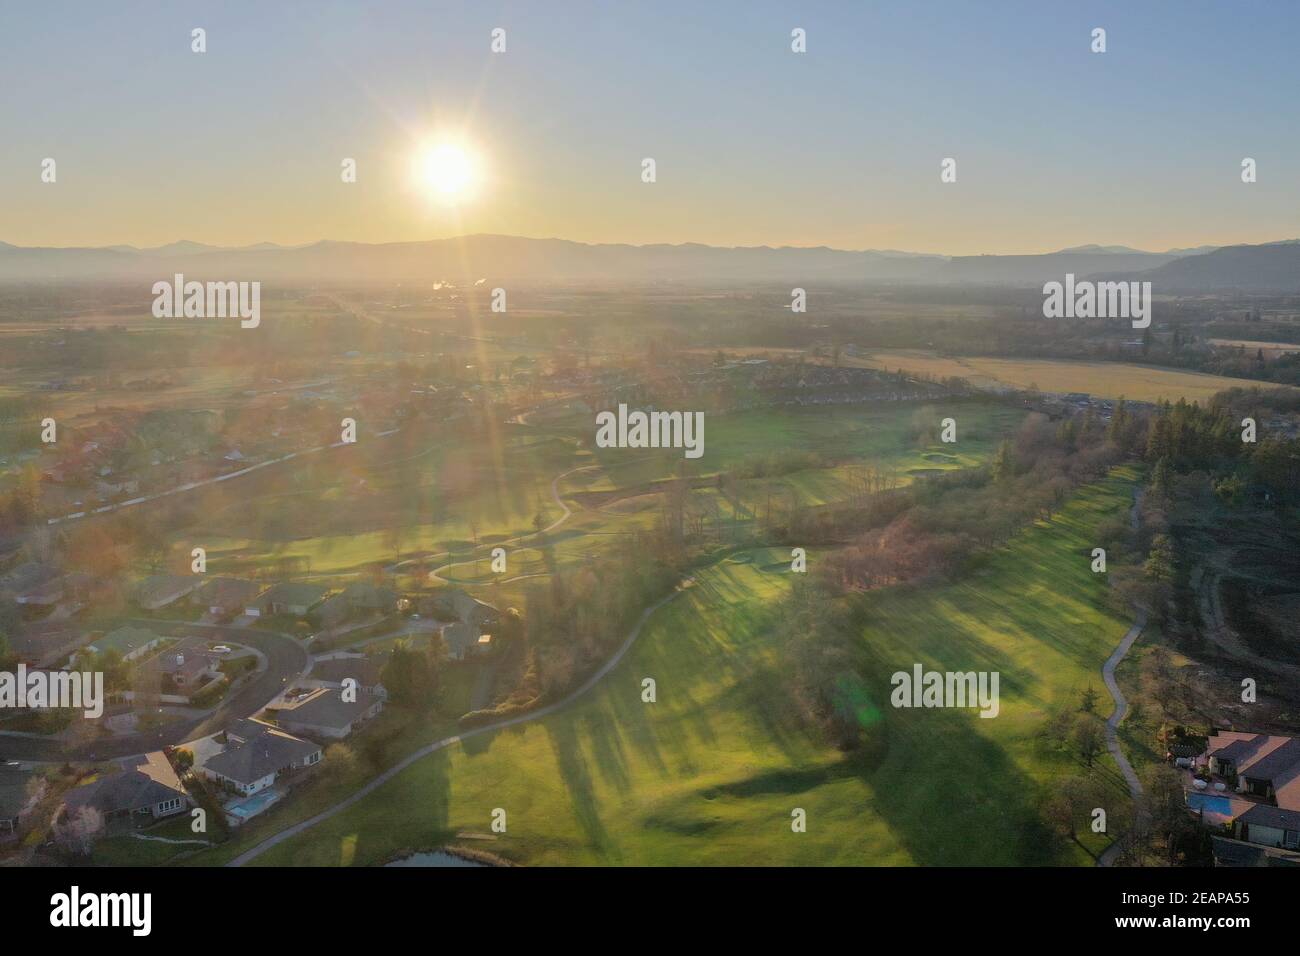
[{"x": 447, "y": 171}]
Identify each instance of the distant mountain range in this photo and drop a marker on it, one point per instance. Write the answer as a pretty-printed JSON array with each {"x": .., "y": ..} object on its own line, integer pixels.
[{"x": 1271, "y": 267}]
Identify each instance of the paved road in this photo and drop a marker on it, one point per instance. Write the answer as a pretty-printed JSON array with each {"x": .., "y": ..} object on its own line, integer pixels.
[
  {"x": 1108, "y": 856},
  {"x": 286, "y": 660},
  {"x": 190, "y": 486},
  {"x": 393, "y": 771}
]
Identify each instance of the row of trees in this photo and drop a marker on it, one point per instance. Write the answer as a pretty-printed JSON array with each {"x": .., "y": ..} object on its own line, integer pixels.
[{"x": 932, "y": 527}]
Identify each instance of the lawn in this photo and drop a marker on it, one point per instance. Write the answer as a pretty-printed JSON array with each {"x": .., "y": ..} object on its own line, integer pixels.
[{"x": 710, "y": 773}]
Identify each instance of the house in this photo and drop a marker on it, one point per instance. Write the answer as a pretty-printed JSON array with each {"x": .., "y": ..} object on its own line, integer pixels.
[
  {"x": 295, "y": 599},
  {"x": 27, "y": 579},
  {"x": 1236, "y": 853},
  {"x": 144, "y": 790},
  {"x": 370, "y": 597},
  {"x": 187, "y": 664},
  {"x": 333, "y": 611},
  {"x": 226, "y": 596},
  {"x": 75, "y": 587},
  {"x": 20, "y": 791},
  {"x": 326, "y": 712},
  {"x": 354, "y": 600},
  {"x": 333, "y": 671},
  {"x": 1269, "y": 826},
  {"x": 160, "y": 590},
  {"x": 465, "y": 607},
  {"x": 467, "y": 635},
  {"x": 1260, "y": 765},
  {"x": 46, "y": 643},
  {"x": 130, "y": 642},
  {"x": 1257, "y": 777},
  {"x": 256, "y": 754},
  {"x": 46, "y": 594},
  {"x": 463, "y": 639}
]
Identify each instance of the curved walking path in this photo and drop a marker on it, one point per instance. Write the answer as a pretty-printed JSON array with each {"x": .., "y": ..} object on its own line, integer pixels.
[
  {"x": 397, "y": 768},
  {"x": 566, "y": 513},
  {"x": 1108, "y": 855}
]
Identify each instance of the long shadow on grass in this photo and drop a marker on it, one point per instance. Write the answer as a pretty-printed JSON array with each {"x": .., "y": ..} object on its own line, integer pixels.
[
  {"x": 576, "y": 775},
  {"x": 953, "y": 798}
]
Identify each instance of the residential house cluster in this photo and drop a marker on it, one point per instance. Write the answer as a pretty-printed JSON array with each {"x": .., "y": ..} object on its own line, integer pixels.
[{"x": 1249, "y": 787}]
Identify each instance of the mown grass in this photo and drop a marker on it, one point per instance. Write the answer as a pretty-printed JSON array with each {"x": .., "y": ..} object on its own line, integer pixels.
[{"x": 711, "y": 772}]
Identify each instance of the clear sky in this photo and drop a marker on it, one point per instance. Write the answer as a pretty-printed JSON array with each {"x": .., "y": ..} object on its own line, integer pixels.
[{"x": 841, "y": 146}]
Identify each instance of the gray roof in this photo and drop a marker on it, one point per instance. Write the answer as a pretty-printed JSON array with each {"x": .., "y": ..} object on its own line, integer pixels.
[
  {"x": 327, "y": 708},
  {"x": 14, "y": 792},
  {"x": 150, "y": 781},
  {"x": 1237, "y": 749},
  {"x": 1282, "y": 762},
  {"x": 366, "y": 595},
  {"x": 292, "y": 592},
  {"x": 228, "y": 591},
  {"x": 267, "y": 752},
  {"x": 27, "y": 576},
  {"x": 156, "y": 587},
  {"x": 333, "y": 670},
  {"x": 1265, "y": 816},
  {"x": 460, "y": 637},
  {"x": 1235, "y": 853},
  {"x": 40, "y": 639}
]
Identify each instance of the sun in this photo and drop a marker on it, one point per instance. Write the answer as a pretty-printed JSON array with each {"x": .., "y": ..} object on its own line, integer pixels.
[{"x": 447, "y": 171}]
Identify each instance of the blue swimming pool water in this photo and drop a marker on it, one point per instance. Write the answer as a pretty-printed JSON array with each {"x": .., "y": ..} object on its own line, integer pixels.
[
  {"x": 1208, "y": 801},
  {"x": 254, "y": 804}
]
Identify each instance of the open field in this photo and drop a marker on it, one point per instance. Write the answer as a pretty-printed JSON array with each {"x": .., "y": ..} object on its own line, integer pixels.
[
  {"x": 1103, "y": 379},
  {"x": 898, "y": 438},
  {"x": 710, "y": 773}
]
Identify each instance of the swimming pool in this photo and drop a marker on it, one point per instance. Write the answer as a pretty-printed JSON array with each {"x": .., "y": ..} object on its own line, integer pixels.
[
  {"x": 246, "y": 809},
  {"x": 1210, "y": 802}
]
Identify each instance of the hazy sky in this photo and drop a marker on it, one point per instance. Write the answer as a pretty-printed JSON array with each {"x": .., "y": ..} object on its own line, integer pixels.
[{"x": 1055, "y": 145}]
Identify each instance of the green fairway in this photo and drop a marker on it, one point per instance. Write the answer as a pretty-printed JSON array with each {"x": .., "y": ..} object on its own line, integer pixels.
[
  {"x": 889, "y": 436},
  {"x": 711, "y": 772},
  {"x": 411, "y": 497}
]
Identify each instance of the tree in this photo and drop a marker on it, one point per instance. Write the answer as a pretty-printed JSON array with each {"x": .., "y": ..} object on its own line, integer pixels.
[
  {"x": 1074, "y": 799},
  {"x": 1165, "y": 805},
  {"x": 1137, "y": 714},
  {"x": 1003, "y": 464},
  {"x": 1162, "y": 479},
  {"x": 1088, "y": 738},
  {"x": 407, "y": 676},
  {"x": 1089, "y": 702},
  {"x": 78, "y": 831},
  {"x": 341, "y": 759},
  {"x": 1159, "y": 566},
  {"x": 184, "y": 759}
]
